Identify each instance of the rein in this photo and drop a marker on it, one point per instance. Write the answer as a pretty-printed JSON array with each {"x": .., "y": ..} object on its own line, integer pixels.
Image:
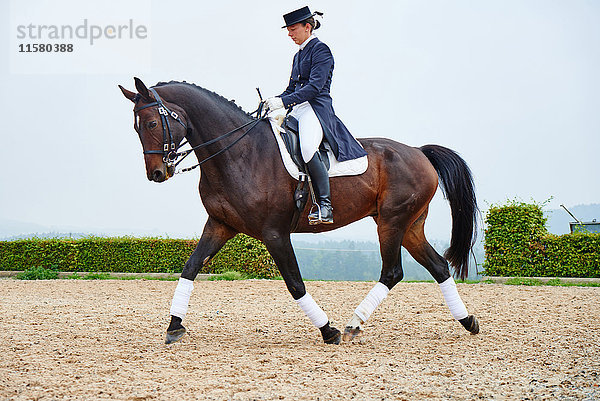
[{"x": 171, "y": 157}]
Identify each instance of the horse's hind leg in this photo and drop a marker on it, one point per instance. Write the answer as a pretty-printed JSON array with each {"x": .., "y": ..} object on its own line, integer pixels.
[
  {"x": 390, "y": 240},
  {"x": 416, "y": 244}
]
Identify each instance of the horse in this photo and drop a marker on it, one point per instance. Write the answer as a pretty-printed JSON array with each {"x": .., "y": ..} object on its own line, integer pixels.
[{"x": 246, "y": 189}]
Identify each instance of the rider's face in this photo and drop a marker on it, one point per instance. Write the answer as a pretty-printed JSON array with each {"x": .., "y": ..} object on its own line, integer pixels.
[{"x": 299, "y": 32}]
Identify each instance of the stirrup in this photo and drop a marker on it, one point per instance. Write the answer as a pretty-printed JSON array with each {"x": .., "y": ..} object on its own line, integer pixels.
[{"x": 316, "y": 217}]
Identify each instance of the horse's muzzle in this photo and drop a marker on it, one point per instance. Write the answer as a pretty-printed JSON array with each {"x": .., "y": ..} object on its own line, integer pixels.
[
  {"x": 157, "y": 175},
  {"x": 161, "y": 174}
]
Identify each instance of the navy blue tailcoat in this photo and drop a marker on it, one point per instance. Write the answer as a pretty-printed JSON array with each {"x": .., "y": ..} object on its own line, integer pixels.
[{"x": 310, "y": 81}]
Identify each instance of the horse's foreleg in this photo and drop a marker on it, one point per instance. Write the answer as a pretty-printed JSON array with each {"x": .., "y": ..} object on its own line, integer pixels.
[
  {"x": 390, "y": 239},
  {"x": 214, "y": 236},
  {"x": 280, "y": 248},
  {"x": 417, "y": 245}
]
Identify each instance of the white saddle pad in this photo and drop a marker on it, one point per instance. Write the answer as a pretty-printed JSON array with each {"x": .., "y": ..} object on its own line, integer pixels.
[{"x": 336, "y": 168}]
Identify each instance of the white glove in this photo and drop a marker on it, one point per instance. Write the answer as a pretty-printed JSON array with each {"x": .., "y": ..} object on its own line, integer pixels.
[{"x": 274, "y": 103}]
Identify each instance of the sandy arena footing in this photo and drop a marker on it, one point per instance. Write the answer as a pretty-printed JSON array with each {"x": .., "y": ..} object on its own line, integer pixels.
[{"x": 248, "y": 340}]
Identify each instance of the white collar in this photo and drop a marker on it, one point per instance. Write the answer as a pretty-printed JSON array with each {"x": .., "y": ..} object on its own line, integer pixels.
[{"x": 303, "y": 44}]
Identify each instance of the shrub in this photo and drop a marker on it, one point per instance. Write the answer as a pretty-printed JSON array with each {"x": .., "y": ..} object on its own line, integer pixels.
[
  {"x": 518, "y": 244},
  {"x": 245, "y": 255},
  {"x": 228, "y": 276},
  {"x": 37, "y": 273}
]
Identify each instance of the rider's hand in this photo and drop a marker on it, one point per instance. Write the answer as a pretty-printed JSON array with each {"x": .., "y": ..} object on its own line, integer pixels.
[{"x": 274, "y": 103}]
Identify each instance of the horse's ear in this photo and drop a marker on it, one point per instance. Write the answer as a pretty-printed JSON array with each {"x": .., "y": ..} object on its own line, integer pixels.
[
  {"x": 141, "y": 88},
  {"x": 128, "y": 94}
]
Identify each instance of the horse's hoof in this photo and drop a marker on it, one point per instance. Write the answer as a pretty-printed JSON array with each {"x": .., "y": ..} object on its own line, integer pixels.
[
  {"x": 175, "y": 335},
  {"x": 331, "y": 335},
  {"x": 471, "y": 324},
  {"x": 336, "y": 339},
  {"x": 351, "y": 332},
  {"x": 474, "y": 326}
]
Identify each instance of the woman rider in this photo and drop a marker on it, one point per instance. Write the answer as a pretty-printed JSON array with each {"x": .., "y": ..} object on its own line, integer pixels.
[{"x": 308, "y": 97}]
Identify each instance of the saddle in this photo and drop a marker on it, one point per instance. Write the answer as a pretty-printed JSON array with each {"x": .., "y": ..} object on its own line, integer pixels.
[
  {"x": 291, "y": 139},
  {"x": 285, "y": 130}
]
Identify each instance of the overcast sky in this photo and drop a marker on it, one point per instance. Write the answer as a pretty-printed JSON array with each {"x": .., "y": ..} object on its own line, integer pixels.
[{"x": 513, "y": 86}]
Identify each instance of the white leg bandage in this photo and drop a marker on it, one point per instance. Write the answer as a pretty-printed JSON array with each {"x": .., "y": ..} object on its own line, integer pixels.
[
  {"x": 181, "y": 298},
  {"x": 457, "y": 308},
  {"x": 313, "y": 311},
  {"x": 371, "y": 301}
]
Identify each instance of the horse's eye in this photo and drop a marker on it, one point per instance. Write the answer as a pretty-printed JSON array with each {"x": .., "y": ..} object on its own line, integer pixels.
[{"x": 152, "y": 124}]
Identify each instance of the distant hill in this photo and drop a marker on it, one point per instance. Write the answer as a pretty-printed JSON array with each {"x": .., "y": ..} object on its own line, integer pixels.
[
  {"x": 48, "y": 235},
  {"x": 12, "y": 228},
  {"x": 357, "y": 260},
  {"x": 558, "y": 219}
]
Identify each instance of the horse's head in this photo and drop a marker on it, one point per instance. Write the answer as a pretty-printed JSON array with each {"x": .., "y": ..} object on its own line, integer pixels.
[{"x": 161, "y": 126}]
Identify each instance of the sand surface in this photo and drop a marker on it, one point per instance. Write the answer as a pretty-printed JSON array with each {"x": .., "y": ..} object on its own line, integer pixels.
[{"x": 103, "y": 340}]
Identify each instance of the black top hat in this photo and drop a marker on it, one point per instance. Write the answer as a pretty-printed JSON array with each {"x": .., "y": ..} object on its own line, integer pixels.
[{"x": 298, "y": 15}]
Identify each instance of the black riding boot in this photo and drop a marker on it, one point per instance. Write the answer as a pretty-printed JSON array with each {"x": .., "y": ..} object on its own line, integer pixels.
[{"x": 320, "y": 181}]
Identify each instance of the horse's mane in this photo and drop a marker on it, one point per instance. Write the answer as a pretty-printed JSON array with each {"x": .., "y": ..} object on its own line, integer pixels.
[{"x": 214, "y": 95}]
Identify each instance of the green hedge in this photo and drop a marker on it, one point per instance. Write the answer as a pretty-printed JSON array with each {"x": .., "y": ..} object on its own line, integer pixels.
[
  {"x": 133, "y": 255},
  {"x": 518, "y": 244},
  {"x": 247, "y": 255}
]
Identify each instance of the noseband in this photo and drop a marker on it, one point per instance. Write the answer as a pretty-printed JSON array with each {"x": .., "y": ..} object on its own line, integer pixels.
[{"x": 169, "y": 148}]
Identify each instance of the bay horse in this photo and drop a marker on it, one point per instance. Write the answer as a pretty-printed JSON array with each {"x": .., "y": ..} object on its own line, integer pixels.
[{"x": 246, "y": 189}]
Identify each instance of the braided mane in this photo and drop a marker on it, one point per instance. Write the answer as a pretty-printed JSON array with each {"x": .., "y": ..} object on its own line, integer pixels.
[{"x": 212, "y": 94}]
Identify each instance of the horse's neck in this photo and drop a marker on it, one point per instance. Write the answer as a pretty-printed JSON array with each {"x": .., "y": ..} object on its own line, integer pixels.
[{"x": 213, "y": 122}]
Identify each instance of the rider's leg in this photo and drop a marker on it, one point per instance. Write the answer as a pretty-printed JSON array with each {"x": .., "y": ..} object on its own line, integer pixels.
[
  {"x": 311, "y": 136},
  {"x": 320, "y": 180}
]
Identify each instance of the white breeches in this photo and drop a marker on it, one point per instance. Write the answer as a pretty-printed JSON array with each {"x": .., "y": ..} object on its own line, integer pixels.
[{"x": 311, "y": 132}]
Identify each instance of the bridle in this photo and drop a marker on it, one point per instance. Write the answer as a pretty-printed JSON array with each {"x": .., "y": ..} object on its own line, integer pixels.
[
  {"x": 169, "y": 147},
  {"x": 171, "y": 157}
]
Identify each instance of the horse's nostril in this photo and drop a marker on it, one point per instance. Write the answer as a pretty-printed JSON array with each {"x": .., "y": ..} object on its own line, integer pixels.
[{"x": 158, "y": 175}]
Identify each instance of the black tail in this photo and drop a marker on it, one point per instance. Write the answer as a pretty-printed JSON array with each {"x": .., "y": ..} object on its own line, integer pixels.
[{"x": 457, "y": 185}]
